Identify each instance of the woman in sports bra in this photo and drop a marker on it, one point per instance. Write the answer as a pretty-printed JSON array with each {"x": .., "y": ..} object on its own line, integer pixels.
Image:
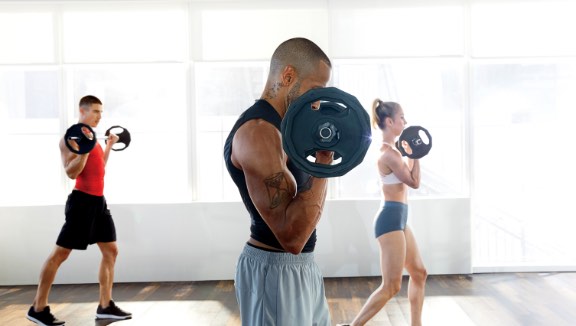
[{"x": 398, "y": 249}]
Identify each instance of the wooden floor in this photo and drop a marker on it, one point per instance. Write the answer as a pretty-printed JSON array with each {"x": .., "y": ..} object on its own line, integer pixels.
[{"x": 480, "y": 299}]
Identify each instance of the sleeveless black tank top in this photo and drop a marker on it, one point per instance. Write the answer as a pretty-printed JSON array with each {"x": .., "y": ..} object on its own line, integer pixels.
[{"x": 259, "y": 230}]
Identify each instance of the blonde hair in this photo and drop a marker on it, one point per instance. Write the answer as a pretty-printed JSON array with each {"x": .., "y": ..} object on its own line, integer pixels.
[{"x": 382, "y": 110}]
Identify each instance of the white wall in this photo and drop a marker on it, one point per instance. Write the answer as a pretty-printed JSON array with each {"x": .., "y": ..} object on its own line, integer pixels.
[{"x": 201, "y": 241}]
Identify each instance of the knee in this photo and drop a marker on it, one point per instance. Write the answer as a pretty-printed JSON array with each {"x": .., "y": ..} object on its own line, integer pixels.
[
  {"x": 110, "y": 253},
  {"x": 114, "y": 252},
  {"x": 391, "y": 287},
  {"x": 395, "y": 286},
  {"x": 420, "y": 274},
  {"x": 60, "y": 255}
]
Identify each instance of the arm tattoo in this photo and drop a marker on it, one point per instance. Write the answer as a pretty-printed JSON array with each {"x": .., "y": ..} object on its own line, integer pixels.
[{"x": 277, "y": 186}]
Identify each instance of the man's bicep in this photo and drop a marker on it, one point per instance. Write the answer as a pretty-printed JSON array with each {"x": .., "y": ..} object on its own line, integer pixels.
[
  {"x": 65, "y": 154},
  {"x": 257, "y": 149},
  {"x": 270, "y": 185}
]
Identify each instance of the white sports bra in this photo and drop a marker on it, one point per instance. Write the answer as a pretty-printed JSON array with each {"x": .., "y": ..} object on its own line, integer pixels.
[{"x": 389, "y": 179}]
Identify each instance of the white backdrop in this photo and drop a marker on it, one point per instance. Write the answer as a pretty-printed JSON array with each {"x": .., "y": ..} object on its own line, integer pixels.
[{"x": 201, "y": 241}]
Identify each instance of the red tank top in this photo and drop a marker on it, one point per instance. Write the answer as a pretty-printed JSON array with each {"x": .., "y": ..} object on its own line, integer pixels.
[{"x": 91, "y": 179}]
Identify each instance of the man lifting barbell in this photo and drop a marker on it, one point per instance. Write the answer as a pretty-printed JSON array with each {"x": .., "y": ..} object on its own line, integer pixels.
[
  {"x": 284, "y": 202},
  {"x": 88, "y": 219}
]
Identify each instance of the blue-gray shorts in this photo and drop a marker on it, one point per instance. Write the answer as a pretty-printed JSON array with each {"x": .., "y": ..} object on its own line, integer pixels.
[
  {"x": 391, "y": 217},
  {"x": 282, "y": 289}
]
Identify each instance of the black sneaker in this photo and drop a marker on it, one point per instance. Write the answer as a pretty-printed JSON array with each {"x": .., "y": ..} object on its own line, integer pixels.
[
  {"x": 112, "y": 312},
  {"x": 44, "y": 317}
]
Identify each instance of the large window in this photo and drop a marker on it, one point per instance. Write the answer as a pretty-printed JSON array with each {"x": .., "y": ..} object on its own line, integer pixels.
[
  {"x": 152, "y": 106},
  {"x": 134, "y": 58},
  {"x": 238, "y": 34},
  {"x": 522, "y": 170},
  {"x": 430, "y": 91},
  {"x": 522, "y": 28},
  {"x": 493, "y": 81},
  {"x": 26, "y": 37},
  {"x": 125, "y": 33},
  {"x": 523, "y": 76},
  {"x": 362, "y": 30},
  {"x": 182, "y": 110},
  {"x": 144, "y": 91},
  {"x": 29, "y": 109},
  {"x": 226, "y": 90},
  {"x": 30, "y": 168},
  {"x": 431, "y": 94}
]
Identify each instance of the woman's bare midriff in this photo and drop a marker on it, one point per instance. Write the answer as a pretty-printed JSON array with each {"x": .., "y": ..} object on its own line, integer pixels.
[{"x": 395, "y": 192}]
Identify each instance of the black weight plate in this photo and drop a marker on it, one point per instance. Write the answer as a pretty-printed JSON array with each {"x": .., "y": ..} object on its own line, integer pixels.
[
  {"x": 419, "y": 146},
  {"x": 123, "y": 138},
  {"x": 340, "y": 125},
  {"x": 75, "y": 133}
]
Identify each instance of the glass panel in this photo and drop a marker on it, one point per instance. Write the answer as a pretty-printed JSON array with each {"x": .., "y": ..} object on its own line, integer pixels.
[
  {"x": 523, "y": 28},
  {"x": 29, "y": 94},
  {"x": 26, "y": 37},
  {"x": 31, "y": 170},
  {"x": 216, "y": 114},
  {"x": 273, "y": 26},
  {"x": 150, "y": 101},
  {"x": 419, "y": 31},
  {"x": 523, "y": 116},
  {"x": 213, "y": 178},
  {"x": 431, "y": 94},
  {"x": 438, "y": 102},
  {"x": 243, "y": 82},
  {"x": 105, "y": 35}
]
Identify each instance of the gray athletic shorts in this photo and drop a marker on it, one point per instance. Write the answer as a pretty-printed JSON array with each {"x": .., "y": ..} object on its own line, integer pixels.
[
  {"x": 280, "y": 289},
  {"x": 391, "y": 217}
]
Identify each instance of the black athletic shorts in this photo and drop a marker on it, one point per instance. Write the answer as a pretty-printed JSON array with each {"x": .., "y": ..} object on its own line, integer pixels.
[{"x": 88, "y": 221}]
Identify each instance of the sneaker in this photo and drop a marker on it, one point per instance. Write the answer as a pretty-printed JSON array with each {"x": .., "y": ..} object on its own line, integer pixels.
[
  {"x": 112, "y": 312},
  {"x": 44, "y": 317}
]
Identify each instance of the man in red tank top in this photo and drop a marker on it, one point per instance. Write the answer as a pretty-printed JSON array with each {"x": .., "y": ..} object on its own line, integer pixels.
[{"x": 88, "y": 221}]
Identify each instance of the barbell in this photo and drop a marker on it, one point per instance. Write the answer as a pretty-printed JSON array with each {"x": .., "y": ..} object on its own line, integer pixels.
[
  {"x": 340, "y": 124},
  {"x": 87, "y": 143}
]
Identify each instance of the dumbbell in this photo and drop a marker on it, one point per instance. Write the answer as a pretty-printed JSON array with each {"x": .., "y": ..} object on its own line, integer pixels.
[
  {"x": 418, "y": 139},
  {"x": 86, "y": 144}
]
